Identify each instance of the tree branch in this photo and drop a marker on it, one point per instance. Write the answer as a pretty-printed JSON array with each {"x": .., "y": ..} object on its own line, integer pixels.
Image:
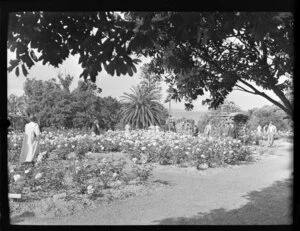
[
  {"x": 247, "y": 45},
  {"x": 266, "y": 96},
  {"x": 255, "y": 91},
  {"x": 244, "y": 89},
  {"x": 272, "y": 81},
  {"x": 283, "y": 98}
]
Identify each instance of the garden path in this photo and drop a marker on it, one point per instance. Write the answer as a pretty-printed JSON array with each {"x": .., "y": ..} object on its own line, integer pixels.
[{"x": 191, "y": 192}]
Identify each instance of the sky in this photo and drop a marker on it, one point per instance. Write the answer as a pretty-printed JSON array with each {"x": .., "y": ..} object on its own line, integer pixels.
[{"x": 115, "y": 86}]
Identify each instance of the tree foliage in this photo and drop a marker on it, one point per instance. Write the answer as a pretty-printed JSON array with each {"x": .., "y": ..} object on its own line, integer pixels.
[
  {"x": 17, "y": 105},
  {"x": 262, "y": 116},
  {"x": 194, "y": 51},
  {"x": 55, "y": 105},
  {"x": 142, "y": 107},
  {"x": 150, "y": 81},
  {"x": 221, "y": 52},
  {"x": 100, "y": 38}
]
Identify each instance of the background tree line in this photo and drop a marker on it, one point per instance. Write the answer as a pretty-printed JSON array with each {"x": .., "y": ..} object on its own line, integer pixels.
[
  {"x": 55, "y": 105},
  {"x": 256, "y": 116}
]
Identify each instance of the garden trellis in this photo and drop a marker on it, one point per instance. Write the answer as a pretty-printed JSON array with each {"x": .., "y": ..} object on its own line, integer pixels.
[{"x": 222, "y": 120}]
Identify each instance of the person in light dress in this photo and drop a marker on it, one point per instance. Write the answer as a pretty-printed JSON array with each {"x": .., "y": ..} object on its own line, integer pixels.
[
  {"x": 30, "y": 145},
  {"x": 259, "y": 134},
  {"x": 127, "y": 130},
  {"x": 207, "y": 130},
  {"x": 152, "y": 128},
  {"x": 259, "y": 130},
  {"x": 272, "y": 130},
  {"x": 95, "y": 128},
  {"x": 231, "y": 130},
  {"x": 157, "y": 128}
]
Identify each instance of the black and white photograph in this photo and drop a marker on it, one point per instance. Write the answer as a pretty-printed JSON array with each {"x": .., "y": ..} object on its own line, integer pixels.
[{"x": 150, "y": 118}]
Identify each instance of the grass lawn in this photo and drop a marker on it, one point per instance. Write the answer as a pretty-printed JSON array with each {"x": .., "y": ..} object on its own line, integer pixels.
[{"x": 270, "y": 206}]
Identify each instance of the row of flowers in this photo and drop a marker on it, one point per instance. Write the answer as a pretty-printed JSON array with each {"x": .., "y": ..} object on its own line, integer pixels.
[
  {"x": 67, "y": 168},
  {"x": 143, "y": 146}
]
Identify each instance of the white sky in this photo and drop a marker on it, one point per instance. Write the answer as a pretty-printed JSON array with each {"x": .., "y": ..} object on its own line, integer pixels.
[{"x": 115, "y": 86}]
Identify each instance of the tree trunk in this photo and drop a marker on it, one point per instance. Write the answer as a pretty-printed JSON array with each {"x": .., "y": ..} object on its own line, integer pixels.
[{"x": 284, "y": 100}]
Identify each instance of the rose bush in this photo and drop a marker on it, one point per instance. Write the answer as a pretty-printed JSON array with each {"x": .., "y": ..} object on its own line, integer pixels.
[
  {"x": 14, "y": 145},
  {"x": 217, "y": 152},
  {"x": 52, "y": 174}
]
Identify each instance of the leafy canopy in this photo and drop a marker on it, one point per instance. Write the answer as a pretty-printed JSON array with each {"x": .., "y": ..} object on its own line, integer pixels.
[
  {"x": 55, "y": 105},
  {"x": 194, "y": 51},
  {"x": 221, "y": 52},
  {"x": 102, "y": 39}
]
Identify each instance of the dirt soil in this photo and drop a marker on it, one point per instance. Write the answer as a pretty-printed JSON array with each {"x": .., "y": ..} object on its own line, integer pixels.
[{"x": 191, "y": 192}]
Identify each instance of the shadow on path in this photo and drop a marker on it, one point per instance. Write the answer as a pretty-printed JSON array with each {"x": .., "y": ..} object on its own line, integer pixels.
[
  {"x": 270, "y": 206},
  {"x": 21, "y": 217}
]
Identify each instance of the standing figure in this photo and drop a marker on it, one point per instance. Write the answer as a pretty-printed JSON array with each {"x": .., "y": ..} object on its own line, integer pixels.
[
  {"x": 183, "y": 128},
  {"x": 30, "y": 145},
  {"x": 207, "y": 130},
  {"x": 258, "y": 130},
  {"x": 196, "y": 130},
  {"x": 265, "y": 129},
  {"x": 188, "y": 129},
  {"x": 96, "y": 128},
  {"x": 271, "y": 133},
  {"x": 258, "y": 134},
  {"x": 173, "y": 126},
  {"x": 157, "y": 128},
  {"x": 152, "y": 128},
  {"x": 127, "y": 129},
  {"x": 231, "y": 131}
]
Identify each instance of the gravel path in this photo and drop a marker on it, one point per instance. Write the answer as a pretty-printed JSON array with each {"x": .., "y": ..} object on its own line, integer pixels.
[{"x": 191, "y": 192}]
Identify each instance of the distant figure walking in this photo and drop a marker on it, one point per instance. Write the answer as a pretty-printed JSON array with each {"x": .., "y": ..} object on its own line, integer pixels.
[
  {"x": 30, "y": 145},
  {"x": 96, "y": 128},
  {"x": 207, "y": 130},
  {"x": 265, "y": 129},
  {"x": 271, "y": 133}
]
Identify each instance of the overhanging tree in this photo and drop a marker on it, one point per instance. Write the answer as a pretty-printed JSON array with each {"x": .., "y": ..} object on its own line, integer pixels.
[
  {"x": 100, "y": 38},
  {"x": 217, "y": 52},
  {"x": 222, "y": 52}
]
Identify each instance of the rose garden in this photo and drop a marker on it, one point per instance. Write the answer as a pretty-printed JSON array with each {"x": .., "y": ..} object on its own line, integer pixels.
[
  {"x": 75, "y": 170},
  {"x": 104, "y": 142}
]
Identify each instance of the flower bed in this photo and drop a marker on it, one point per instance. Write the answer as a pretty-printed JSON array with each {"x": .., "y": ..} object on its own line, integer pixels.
[
  {"x": 63, "y": 169},
  {"x": 57, "y": 182},
  {"x": 142, "y": 146}
]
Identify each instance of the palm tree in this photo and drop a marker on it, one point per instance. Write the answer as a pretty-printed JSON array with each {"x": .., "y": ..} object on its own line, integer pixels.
[{"x": 142, "y": 107}]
